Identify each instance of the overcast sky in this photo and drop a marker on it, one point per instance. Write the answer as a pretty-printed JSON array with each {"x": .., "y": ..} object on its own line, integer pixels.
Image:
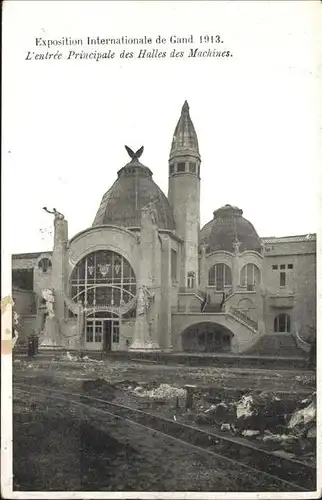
[{"x": 66, "y": 122}]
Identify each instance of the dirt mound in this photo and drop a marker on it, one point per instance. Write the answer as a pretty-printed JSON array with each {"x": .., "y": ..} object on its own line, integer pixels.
[{"x": 99, "y": 387}]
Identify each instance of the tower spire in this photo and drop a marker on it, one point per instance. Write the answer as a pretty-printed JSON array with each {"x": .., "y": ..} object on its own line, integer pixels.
[
  {"x": 184, "y": 194},
  {"x": 185, "y": 139}
]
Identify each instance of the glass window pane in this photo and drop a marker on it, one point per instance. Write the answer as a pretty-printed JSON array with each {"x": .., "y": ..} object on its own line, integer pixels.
[
  {"x": 219, "y": 276},
  {"x": 282, "y": 279},
  {"x": 282, "y": 322},
  {"x": 257, "y": 276},
  {"x": 243, "y": 276},
  {"x": 89, "y": 332},
  {"x": 173, "y": 264},
  {"x": 276, "y": 324},
  {"x": 212, "y": 276},
  {"x": 288, "y": 323},
  {"x": 227, "y": 272},
  {"x": 116, "y": 332}
]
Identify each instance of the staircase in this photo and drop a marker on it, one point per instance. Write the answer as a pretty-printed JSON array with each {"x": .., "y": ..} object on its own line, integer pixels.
[
  {"x": 277, "y": 345},
  {"x": 233, "y": 311},
  {"x": 212, "y": 308}
]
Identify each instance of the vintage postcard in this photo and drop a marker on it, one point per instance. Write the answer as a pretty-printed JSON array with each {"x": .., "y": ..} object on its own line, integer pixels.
[{"x": 160, "y": 249}]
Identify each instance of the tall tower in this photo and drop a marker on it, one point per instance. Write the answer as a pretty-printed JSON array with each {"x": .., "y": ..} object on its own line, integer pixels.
[{"x": 184, "y": 194}]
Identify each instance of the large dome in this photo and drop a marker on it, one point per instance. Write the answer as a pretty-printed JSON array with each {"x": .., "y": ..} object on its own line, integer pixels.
[
  {"x": 227, "y": 227},
  {"x": 121, "y": 205}
]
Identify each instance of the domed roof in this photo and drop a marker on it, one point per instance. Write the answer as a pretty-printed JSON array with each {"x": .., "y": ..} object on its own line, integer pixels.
[
  {"x": 227, "y": 227},
  {"x": 121, "y": 205}
]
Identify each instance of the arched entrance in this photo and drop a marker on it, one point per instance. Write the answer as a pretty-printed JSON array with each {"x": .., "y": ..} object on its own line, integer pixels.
[
  {"x": 206, "y": 337},
  {"x": 104, "y": 284}
]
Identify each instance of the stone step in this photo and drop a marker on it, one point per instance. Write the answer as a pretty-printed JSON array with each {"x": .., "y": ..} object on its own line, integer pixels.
[{"x": 279, "y": 345}]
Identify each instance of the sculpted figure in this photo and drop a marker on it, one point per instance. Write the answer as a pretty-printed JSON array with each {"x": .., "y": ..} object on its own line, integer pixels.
[
  {"x": 136, "y": 155},
  {"x": 151, "y": 210},
  {"x": 58, "y": 215},
  {"x": 48, "y": 295},
  {"x": 145, "y": 299}
]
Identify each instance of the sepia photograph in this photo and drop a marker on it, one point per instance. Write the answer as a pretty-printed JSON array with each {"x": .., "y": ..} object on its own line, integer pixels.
[{"x": 161, "y": 233}]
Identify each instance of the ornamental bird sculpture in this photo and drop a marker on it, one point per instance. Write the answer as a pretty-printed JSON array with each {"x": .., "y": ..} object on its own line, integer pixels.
[{"x": 134, "y": 156}]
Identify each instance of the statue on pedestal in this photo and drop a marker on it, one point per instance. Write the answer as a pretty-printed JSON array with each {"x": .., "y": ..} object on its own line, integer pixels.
[
  {"x": 143, "y": 338},
  {"x": 50, "y": 334},
  {"x": 58, "y": 215}
]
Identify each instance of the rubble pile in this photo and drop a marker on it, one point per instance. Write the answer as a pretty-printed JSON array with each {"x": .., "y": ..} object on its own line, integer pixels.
[
  {"x": 221, "y": 413},
  {"x": 280, "y": 424},
  {"x": 306, "y": 379},
  {"x": 163, "y": 391},
  {"x": 76, "y": 357}
]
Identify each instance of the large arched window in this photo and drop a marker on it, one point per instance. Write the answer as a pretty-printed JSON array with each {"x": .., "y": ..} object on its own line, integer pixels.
[
  {"x": 250, "y": 276},
  {"x": 103, "y": 278},
  {"x": 219, "y": 276},
  {"x": 282, "y": 323}
]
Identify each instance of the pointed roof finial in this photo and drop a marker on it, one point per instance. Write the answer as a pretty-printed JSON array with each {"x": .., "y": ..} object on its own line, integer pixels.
[
  {"x": 185, "y": 107},
  {"x": 184, "y": 138}
]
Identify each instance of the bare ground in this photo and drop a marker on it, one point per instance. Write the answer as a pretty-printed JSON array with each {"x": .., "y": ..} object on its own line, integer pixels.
[{"x": 58, "y": 447}]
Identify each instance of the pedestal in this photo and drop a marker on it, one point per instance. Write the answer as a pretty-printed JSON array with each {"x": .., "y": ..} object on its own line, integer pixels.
[
  {"x": 51, "y": 338},
  {"x": 141, "y": 341}
]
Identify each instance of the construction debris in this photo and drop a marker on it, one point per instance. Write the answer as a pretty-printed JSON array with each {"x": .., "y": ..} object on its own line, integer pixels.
[
  {"x": 303, "y": 418},
  {"x": 286, "y": 425},
  {"x": 78, "y": 358},
  {"x": 244, "y": 407},
  {"x": 164, "y": 391}
]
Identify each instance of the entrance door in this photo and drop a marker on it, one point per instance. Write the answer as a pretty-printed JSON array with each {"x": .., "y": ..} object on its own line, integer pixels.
[{"x": 107, "y": 340}]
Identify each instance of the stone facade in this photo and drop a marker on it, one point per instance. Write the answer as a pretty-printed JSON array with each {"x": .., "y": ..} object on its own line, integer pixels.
[{"x": 148, "y": 278}]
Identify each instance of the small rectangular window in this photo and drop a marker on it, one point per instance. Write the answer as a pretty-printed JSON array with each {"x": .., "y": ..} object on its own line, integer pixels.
[
  {"x": 282, "y": 266},
  {"x": 192, "y": 168},
  {"x": 290, "y": 266},
  {"x": 282, "y": 279},
  {"x": 181, "y": 167},
  {"x": 171, "y": 169},
  {"x": 274, "y": 266}
]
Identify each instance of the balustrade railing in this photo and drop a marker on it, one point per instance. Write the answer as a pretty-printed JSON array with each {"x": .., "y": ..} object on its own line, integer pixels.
[{"x": 234, "y": 311}]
